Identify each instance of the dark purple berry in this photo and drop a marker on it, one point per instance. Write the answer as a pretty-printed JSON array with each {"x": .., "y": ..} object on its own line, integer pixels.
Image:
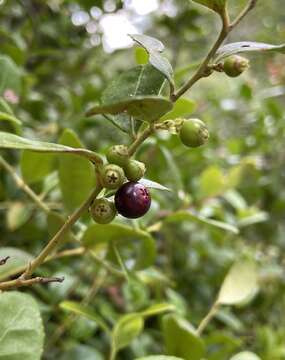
[{"x": 132, "y": 200}]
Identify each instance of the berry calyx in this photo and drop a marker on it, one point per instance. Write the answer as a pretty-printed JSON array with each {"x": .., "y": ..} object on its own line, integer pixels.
[
  {"x": 132, "y": 200},
  {"x": 118, "y": 154},
  {"x": 235, "y": 65},
  {"x": 112, "y": 176},
  {"x": 102, "y": 211},
  {"x": 194, "y": 133},
  {"x": 134, "y": 170}
]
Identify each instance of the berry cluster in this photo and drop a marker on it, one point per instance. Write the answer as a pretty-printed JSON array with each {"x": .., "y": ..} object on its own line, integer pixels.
[
  {"x": 132, "y": 199},
  {"x": 122, "y": 174}
]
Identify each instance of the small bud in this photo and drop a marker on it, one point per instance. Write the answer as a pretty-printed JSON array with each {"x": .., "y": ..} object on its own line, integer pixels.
[
  {"x": 112, "y": 176},
  {"x": 134, "y": 170},
  {"x": 118, "y": 154},
  {"x": 103, "y": 211},
  {"x": 235, "y": 65},
  {"x": 194, "y": 133}
]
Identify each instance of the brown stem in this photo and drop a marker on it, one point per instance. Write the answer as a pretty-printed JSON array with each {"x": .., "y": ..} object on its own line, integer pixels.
[
  {"x": 58, "y": 237},
  {"x": 140, "y": 139},
  {"x": 21, "y": 282},
  {"x": 203, "y": 70}
]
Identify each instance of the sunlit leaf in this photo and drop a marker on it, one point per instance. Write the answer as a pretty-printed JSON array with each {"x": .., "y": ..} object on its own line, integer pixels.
[
  {"x": 216, "y": 5},
  {"x": 154, "y": 47},
  {"x": 245, "y": 355},
  {"x": 246, "y": 46},
  {"x": 240, "y": 284},
  {"x": 153, "y": 185}
]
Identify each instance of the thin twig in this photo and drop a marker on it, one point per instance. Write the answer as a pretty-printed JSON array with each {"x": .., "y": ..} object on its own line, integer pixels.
[
  {"x": 4, "y": 260},
  {"x": 202, "y": 70},
  {"x": 214, "y": 309},
  {"x": 59, "y": 236},
  {"x": 140, "y": 139},
  {"x": 20, "y": 282},
  {"x": 23, "y": 186},
  {"x": 251, "y": 4}
]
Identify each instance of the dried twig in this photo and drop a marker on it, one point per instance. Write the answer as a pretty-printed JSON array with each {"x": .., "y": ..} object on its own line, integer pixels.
[{"x": 36, "y": 280}]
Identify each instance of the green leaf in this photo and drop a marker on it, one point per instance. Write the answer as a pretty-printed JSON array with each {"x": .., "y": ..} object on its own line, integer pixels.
[
  {"x": 182, "y": 108},
  {"x": 212, "y": 182},
  {"x": 134, "y": 92},
  {"x": 240, "y": 284},
  {"x": 21, "y": 331},
  {"x": 18, "y": 259},
  {"x": 181, "y": 339},
  {"x": 8, "y": 117},
  {"x": 159, "y": 357},
  {"x": 11, "y": 141},
  {"x": 252, "y": 219},
  {"x": 86, "y": 312},
  {"x": 246, "y": 46},
  {"x": 154, "y": 47},
  {"x": 10, "y": 75},
  {"x": 157, "y": 309},
  {"x": 36, "y": 166},
  {"x": 153, "y": 185},
  {"x": 216, "y": 5},
  {"x": 123, "y": 235},
  {"x": 141, "y": 56},
  {"x": 126, "y": 330},
  {"x": 184, "y": 215},
  {"x": 17, "y": 215},
  {"x": 245, "y": 355},
  {"x": 80, "y": 352},
  {"x": 76, "y": 175},
  {"x": 5, "y": 108}
]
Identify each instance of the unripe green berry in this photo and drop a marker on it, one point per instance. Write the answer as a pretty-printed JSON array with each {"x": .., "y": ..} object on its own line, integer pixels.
[
  {"x": 235, "y": 65},
  {"x": 103, "y": 211},
  {"x": 118, "y": 154},
  {"x": 134, "y": 170},
  {"x": 193, "y": 133},
  {"x": 112, "y": 176}
]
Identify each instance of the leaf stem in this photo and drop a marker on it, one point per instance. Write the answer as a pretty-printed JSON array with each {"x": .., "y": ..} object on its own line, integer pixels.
[
  {"x": 114, "y": 123},
  {"x": 214, "y": 309},
  {"x": 57, "y": 239}
]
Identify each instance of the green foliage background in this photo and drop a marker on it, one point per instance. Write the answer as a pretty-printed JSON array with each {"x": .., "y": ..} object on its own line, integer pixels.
[{"x": 55, "y": 75}]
